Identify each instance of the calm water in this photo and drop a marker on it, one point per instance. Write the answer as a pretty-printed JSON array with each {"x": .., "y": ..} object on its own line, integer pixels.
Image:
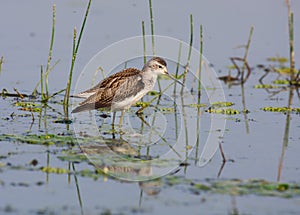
[{"x": 255, "y": 144}]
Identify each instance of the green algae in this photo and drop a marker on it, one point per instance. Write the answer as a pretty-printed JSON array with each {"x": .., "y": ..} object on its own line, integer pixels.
[
  {"x": 265, "y": 86},
  {"x": 28, "y": 106},
  {"x": 55, "y": 170},
  {"x": 280, "y": 60},
  {"x": 45, "y": 139},
  {"x": 281, "y": 109},
  {"x": 227, "y": 111},
  {"x": 167, "y": 110},
  {"x": 142, "y": 104},
  {"x": 236, "y": 187},
  {"x": 196, "y": 105},
  {"x": 221, "y": 104}
]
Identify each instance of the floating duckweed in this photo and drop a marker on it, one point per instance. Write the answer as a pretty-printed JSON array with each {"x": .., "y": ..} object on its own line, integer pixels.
[
  {"x": 278, "y": 59},
  {"x": 26, "y": 104},
  {"x": 199, "y": 186},
  {"x": 167, "y": 110},
  {"x": 246, "y": 187},
  {"x": 265, "y": 86},
  {"x": 221, "y": 104},
  {"x": 227, "y": 111},
  {"x": 281, "y": 109},
  {"x": 48, "y": 139},
  {"x": 54, "y": 170},
  {"x": 282, "y": 187},
  {"x": 278, "y": 81},
  {"x": 37, "y": 109},
  {"x": 196, "y": 105},
  {"x": 286, "y": 82},
  {"x": 286, "y": 70},
  {"x": 142, "y": 104}
]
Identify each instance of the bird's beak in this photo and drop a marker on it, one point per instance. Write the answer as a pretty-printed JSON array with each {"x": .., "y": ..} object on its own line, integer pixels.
[{"x": 174, "y": 79}]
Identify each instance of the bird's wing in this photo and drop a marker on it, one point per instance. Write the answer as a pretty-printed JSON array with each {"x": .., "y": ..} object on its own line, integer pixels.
[
  {"x": 107, "y": 82},
  {"x": 115, "y": 88}
]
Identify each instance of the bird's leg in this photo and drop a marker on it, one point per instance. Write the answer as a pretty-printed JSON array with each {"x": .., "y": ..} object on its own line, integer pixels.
[
  {"x": 121, "y": 119},
  {"x": 113, "y": 121}
]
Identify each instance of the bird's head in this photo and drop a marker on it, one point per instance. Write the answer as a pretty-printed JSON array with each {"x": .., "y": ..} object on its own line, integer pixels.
[{"x": 157, "y": 65}]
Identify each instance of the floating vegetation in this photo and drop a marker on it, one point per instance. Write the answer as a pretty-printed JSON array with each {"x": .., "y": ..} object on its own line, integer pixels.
[
  {"x": 237, "y": 187},
  {"x": 28, "y": 106},
  {"x": 142, "y": 104},
  {"x": 54, "y": 170},
  {"x": 196, "y": 105},
  {"x": 45, "y": 139},
  {"x": 153, "y": 93},
  {"x": 281, "y": 109},
  {"x": 248, "y": 187},
  {"x": 280, "y": 60},
  {"x": 227, "y": 111},
  {"x": 286, "y": 70},
  {"x": 221, "y": 108},
  {"x": 221, "y": 104},
  {"x": 265, "y": 86},
  {"x": 286, "y": 82},
  {"x": 281, "y": 81},
  {"x": 167, "y": 110}
]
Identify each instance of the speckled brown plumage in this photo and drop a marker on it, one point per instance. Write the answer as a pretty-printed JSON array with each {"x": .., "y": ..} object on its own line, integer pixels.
[
  {"x": 107, "y": 90},
  {"x": 122, "y": 90}
]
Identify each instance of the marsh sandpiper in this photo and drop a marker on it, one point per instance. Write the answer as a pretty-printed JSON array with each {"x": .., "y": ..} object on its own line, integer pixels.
[{"x": 121, "y": 90}]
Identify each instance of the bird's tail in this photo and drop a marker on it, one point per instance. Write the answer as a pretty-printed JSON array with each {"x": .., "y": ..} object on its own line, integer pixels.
[{"x": 84, "y": 107}]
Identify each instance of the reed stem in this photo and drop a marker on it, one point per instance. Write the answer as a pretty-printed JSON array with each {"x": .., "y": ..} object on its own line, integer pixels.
[
  {"x": 177, "y": 66},
  {"x": 42, "y": 83},
  {"x": 189, "y": 53},
  {"x": 152, "y": 26},
  {"x": 74, "y": 54},
  {"x": 1, "y": 62},
  {"x": 67, "y": 94},
  {"x": 291, "y": 40},
  {"x": 246, "y": 52},
  {"x": 50, "y": 52},
  {"x": 144, "y": 41},
  {"x": 200, "y": 64}
]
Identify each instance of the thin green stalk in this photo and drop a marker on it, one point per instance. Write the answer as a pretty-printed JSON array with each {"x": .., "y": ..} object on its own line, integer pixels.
[
  {"x": 200, "y": 64},
  {"x": 83, "y": 25},
  {"x": 74, "y": 54},
  {"x": 50, "y": 51},
  {"x": 199, "y": 95},
  {"x": 67, "y": 94},
  {"x": 144, "y": 41},
  {"x": 291, "y": 39},
  {"x": 247, "y": 51},
  {"x": 42, "y": 83},
  {"x": 189, "y": 53},
  {"x": 152, "y": 26},
  {"x": 1, "y": 62},
  {"x": 152, "y": 36},
  {"x": 177, "y": 66}
]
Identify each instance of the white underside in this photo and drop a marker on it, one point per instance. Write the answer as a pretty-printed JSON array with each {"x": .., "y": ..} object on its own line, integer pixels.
[{"x": 128, "y": 102}]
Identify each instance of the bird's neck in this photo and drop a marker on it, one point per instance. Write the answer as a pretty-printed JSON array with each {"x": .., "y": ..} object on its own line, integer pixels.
[{"x": 149, "y": 78}]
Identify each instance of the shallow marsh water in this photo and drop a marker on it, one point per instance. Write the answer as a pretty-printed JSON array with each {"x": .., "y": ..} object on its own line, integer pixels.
[{"x": 253, "y": 152}]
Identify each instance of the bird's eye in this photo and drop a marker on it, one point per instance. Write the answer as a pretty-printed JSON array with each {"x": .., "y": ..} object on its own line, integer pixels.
[{"x": 160, "y": 66}]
